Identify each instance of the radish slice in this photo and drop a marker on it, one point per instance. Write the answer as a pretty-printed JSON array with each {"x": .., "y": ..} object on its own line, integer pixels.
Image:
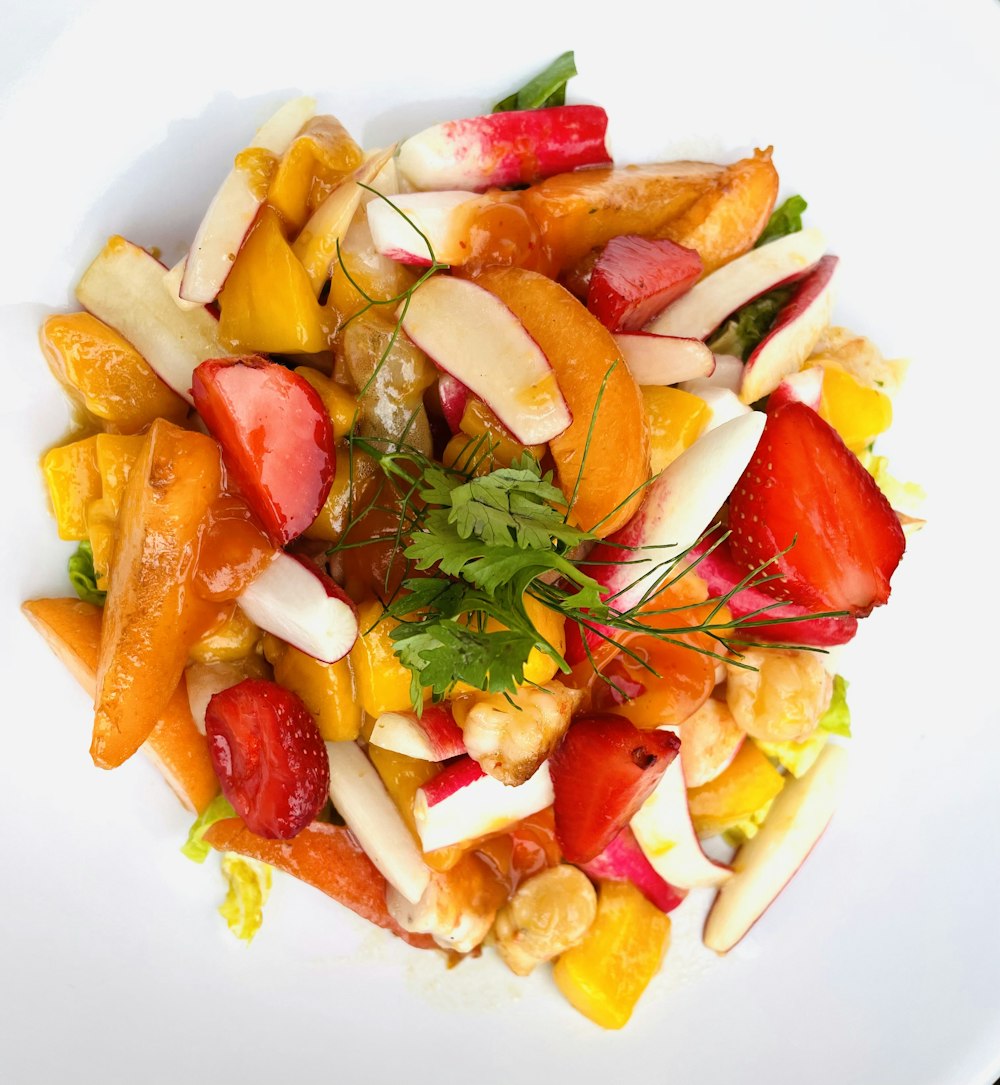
[
  {"x": 464, "y": 803},
  {"x": 516, "y": 147},
  {"x": 471, "y": 334},
  {"x": 664, "y": 831},
  {"x": 805, "y": 386},
  {"x": 203, "y": 682},
  {"x": 293, "y": 600},
  {"x": 431, "y": 736},
  {"x": 707, "y": 304},
  {"x": 235, "y": 205},
  {"x": 359, "y": 795},
  {"x": 624, "y": 861},
  {"x": 124, "y": 287},
  {"x": 664, "y": 359},
  {"x": 403, "y": 231},
  {"x": 172, "y": 282},
  {"x": 454, "y": 397},
  {"x": 728, "y": 373}
]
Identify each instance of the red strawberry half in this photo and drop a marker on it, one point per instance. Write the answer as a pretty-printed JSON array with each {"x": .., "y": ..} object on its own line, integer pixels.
[
  {"x": 805, "y": 485},
  {"x": 602, "y": 772},
  {"x": 635, "y": 277}
]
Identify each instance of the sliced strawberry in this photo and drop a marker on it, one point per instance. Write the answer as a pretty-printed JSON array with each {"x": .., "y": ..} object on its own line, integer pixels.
[
  {"x": 602, "y": 772},
  {"x": 721, "y": 573},
  {"x": 269, "y": 756},
  {"x": 804, "y": 485},
  {"x": 635, "y": 277},
  {"x": 277, "y": 440}
]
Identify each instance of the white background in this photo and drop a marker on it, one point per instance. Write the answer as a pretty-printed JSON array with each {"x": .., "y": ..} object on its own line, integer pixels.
[{"x": 880, "y": 963}]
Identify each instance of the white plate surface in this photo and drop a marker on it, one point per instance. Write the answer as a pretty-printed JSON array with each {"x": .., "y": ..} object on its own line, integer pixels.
[{"x": 880, "y": 963}]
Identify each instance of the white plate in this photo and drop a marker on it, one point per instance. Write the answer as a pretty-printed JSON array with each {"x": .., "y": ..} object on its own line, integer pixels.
[{"x": 879, "y": 964}]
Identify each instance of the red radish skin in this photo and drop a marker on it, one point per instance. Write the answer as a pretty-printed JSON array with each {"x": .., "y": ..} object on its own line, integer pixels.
[
  {"x": 277, "y": 439},
  {"x": 721, "y": 573},
  {"x": 454, "y": 398},
  {"x": 805, "y": 486},
  {"x": 637, "y": 277},
  {"x": 298, "y": 602},
  {"x": 517, "y": 147},
  {"x": 453, "y": 778},
  {"x": 793, "y": 335},
  {"x": 269, "y": 756},
  {"x": 806, "y": 387},
  {"x": 624, "y": 861},
  {"x": 431, "y": 736},
  {"x": 602, "y": 772}
]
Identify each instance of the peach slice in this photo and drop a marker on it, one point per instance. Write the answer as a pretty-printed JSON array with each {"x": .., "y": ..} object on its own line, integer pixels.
[
  {"x": 72, "y": 629},
  {"x": 609, "y": 423},
  {"x": 736, "y": 794},
  {"x": 152, "y": 617},
  {"x": 710, "y": 739},
  {"x": 325, "y": 856}
]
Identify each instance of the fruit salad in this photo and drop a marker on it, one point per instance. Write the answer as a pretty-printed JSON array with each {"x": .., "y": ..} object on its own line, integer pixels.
[{"x": 464, "y": 526}]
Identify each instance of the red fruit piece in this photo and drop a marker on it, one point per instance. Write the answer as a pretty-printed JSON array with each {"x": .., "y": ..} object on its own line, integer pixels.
[
  {"x": 635, "y": 277},
  {"x": 269, "y": 756},
  {"x": 804, "y": 484},
  {"x": 277, "y": 440},
  {"x": 602, "y": 772}
]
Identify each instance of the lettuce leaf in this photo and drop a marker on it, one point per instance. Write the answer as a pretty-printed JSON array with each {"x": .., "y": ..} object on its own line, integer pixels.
[
  {"x": 905, "y": 497},
  {"x": 548, "y": 88},
  {"x": 195, "y": 848},
  {"x": 795, "y": 757},
  {"x": 747, "y": 829},
  {"x": 82, "y": 575},
  {"x": 745, "y": 329},
  {"x": 837, "y": 718},
  {"x": 249, "y": 886},
  {"x": 784, "y": 220}
]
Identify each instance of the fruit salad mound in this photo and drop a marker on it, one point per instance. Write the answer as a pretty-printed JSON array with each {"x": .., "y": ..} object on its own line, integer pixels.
[{"x": 463, "y": 527}]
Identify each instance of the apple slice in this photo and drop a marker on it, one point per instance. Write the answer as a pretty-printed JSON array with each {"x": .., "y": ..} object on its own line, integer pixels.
[
  {"x": 431, "y": 736},
  {"x": 796, "y": 330},
  {"x": 299, "y": 604},
  {"x": 707, "y": 304},
  {"x": 765, "y": 864},
  {"x": 664, "y": 359},
  {"x": 418, "y": 224},
  {"x": 664, "y": 831},
  {"x": 464, "y": 803},
  {"x": 721, "y": 573},
  {"x": 679, "y": 506},
  {"x": 360, "y": 797},
  {"x": 316, "y": 245},
  {"x": 454, "y": 397},
  {"x": 469, "y": 332},
  {"x": 624, "y": 861},
  {"x": 124, "y": 288},
  {"x": 236, "y": 203},
  {"x": 276, "y": 437},
  {"x": 172, "y": 282},
  {"x": 806, "y": 387},
  {"x": 516, "y": 147}
]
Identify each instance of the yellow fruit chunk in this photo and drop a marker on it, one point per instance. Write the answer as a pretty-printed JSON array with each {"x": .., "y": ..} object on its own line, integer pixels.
[
  {"x": 115, "y": 457},
  {"x": 857, "y": 413},
  {"x": 541, "y": 667},
  {"x": 675, "y": 419},
  {"x": 268, "y": 303},
  {"x": 749, "y": 783},
  {"x": 106, "y": 373},
  {"x": 604, "y": 976},
  {"x": 232, "y": 641},
  {"x": 351, "y": 492},
  {"x": 383, "y": 682},
  {"x": 73, "y": 483},
  {"x": 326, "y": 689},
  {"x": 491, "y": 438},
  {"x": 320, "y": 156},
  {"x": 341, "y": 405}
]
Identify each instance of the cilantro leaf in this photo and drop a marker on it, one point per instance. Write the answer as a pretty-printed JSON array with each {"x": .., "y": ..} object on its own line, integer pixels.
[
  {"x": 548, "y": 88},
  {"x": 784, "y": 220},
  {"x": 83, "y": 577}
]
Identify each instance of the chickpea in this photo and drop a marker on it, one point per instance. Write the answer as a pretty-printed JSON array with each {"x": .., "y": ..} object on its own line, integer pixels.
[
  {"x": 548, "y": 914},
  {"x": 783, "y": 698}
]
